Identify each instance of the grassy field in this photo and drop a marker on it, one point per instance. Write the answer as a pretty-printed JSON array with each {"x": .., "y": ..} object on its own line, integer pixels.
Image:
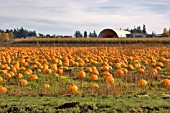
[
  {"x": 84, "y": 104},
  {"x": 126, "y": 78}
]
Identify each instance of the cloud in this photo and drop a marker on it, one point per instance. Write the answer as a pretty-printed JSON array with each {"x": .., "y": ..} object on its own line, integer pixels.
[{"x": 65, "y": 16}]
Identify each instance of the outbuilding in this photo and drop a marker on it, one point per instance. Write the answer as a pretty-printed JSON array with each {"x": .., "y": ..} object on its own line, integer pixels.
[{"x": 109, "y": 33}]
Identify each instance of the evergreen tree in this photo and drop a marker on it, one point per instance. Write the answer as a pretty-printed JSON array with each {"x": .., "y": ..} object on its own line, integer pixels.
[
  {"x": 144, "y": 28},
  {"x": 90, "y": 34},
  {"x": 78, "y": 34},
  {"x": 94, "y": 34},
  {"x": 85, "y": 34}
]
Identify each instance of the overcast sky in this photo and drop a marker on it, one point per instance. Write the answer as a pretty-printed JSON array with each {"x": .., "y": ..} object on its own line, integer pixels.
[{"x": 64, "y": 17}]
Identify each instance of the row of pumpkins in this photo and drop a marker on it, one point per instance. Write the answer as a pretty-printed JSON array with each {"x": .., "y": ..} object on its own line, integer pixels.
[{"x": 18, "y": 62}]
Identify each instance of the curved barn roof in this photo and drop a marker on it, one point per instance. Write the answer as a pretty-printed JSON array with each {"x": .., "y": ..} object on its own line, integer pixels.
[{"x": 109, "y": 33}]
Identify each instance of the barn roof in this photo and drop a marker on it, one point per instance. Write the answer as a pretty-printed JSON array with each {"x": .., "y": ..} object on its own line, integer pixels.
[{"x": 109, "y": 33}]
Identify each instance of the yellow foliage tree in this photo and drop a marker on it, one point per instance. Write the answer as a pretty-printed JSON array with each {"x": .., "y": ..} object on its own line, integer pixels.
[
  {"x": 1, "y": 37},
  {"x": 165, "y": 32},
  {"x": 6, "y": 36}
]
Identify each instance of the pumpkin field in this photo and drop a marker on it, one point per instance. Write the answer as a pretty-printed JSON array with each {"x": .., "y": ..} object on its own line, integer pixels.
[{"x": 134, "y": 71}]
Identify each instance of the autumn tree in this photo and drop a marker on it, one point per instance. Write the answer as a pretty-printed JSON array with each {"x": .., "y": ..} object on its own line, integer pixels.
[
  {"x": 1, "y": 38},
  {"x": 165, "y": 33},
  {"x": 4, "y": 37}
]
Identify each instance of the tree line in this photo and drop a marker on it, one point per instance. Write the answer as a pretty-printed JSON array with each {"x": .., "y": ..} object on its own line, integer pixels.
[
  {"x": 78, "y": 34},
  {"x": 9, "y": 34}
]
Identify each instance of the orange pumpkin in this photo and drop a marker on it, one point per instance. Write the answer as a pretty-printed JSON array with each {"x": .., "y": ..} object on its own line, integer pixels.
[
  {"x": 19, "y": 75},
  {"x": 104, "y": 68},
  {"x": 89, "y": 69},
  {"x": 158, "y": 68},
  {"x": 93, "y": 77},
  {"x": 48, "y": 71},
  {"x": 142, "y": 82},
  {"x": 1, "y": 79},
  {"x": 141, "y": 70},
  {"x": 154, "y": 71},
  {"x": 33, "y": 77},
  {"x": 23, "y": 82},
  {"x": 24, "y": 64},
  {"x": 118, "y": 65},
  {"x": 119, "y": 72},
  {"x": 160, "y": 64},
  {"x": 73, "y": 88},
  {"x": 3, "y": 89},
  {"x": 81, "y": 75},
  {"x": 166, "y": 82},
  {"x": 46, "y": 85},
  {"x": 95, "y": 72},
  {"x": 130, "y": 67},
  {"x": 54, "y": 67},
  {"x": 59, "y": 71},
  {"x": 105, "y": 73},
  {"x": 109, "y": 79},
  {"x": 13, "y": 69},
  {"x": 94, "y": 68},
  {"x": 27, "y": 72},
  {"x": 125, "y": 71},
  {"x": 12, "y": 73},
  {"x": 137, "y": 65},
  {"x": 7, "y": 75},
  {"x": 94, "y": 85},
  {"x": 168, "y": 67}
]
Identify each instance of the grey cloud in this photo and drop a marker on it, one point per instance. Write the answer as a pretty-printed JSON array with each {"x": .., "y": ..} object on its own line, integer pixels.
[{"x": 65, "y": 16}]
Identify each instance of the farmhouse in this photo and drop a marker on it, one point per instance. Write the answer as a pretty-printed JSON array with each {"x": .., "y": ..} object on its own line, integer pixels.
[{"x": 109, "y": 33}]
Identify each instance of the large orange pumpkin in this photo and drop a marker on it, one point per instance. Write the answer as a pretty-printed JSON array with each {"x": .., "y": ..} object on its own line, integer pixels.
[
  {"x": 141, "y": 70},
  {"x": 130, "y": 67},
  {"x": 105, "y": 68},
  {"x": 119, "y": 72},
  {"x": 109, "y": 79},
  {"x": 73, "y": 88},
  {"x": 3, "y": 89},
  {"x": 142, "y": 82},
  {"x": 54, "y": 67},
  {"x": 81, "y": 74},
  {"x": 59, "y": 71},
  {"x": 93, "y": 77},
  {"x": 166, "y": 82},
  {"x": 89, "y": 69},
  {"x": 33, "y": 77},
  {"x": 23, "y": 82}
]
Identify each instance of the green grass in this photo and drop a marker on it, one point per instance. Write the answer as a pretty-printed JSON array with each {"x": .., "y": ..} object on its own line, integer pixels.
[{"x": 84, "y": 104}]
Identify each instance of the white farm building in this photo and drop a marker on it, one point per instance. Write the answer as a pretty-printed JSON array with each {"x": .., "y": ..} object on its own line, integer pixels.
[{"x": 109, "y": 33}]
